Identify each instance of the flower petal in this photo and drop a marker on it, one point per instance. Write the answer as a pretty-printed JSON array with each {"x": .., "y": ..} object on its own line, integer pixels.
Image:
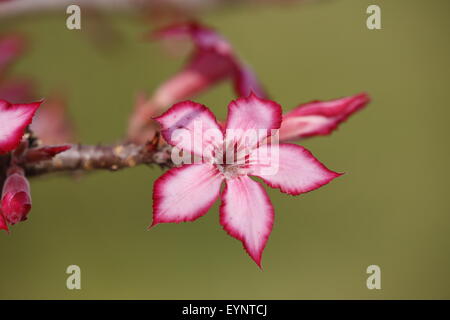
[
  {"x": 245, "y": 82},
  {"x": 319, "y": 117},
  {"x": 185, "y": 193},
  {"x": 294, "y": 170},
  {"x": 14, "y": 118},
  {"x": 253, "y": 112},
  {"x": 247, "y": 214},
  {"x": 190, "y": 126},
  {"x": 250, "y": 121}
]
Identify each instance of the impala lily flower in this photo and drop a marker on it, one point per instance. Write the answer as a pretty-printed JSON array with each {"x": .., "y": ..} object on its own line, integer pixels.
[
  {"x": 319, "y": 117},
  {"x": 14, "y": 118},
  {"x": 213, "y": 60},
  {"x": 186, "y": 193}
]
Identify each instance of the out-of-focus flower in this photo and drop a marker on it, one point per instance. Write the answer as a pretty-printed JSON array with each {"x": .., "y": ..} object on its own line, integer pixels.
[
  {"x": 186, "y": 193},
  {"x": 14, "y": 118},
  {"x": 11, "y": 47},
  {"x": 17, "y": 90},
  {"x": 13, "y": 90},
  {"x": 52, "y": 124},
  {"x": 141, "y": 126},
  {"x": 213, "y": 60},
  {"x": 319, "y": 117}
]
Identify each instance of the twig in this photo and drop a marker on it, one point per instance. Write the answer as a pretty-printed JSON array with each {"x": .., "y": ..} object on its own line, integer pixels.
[{"x": 113, "y": 158}]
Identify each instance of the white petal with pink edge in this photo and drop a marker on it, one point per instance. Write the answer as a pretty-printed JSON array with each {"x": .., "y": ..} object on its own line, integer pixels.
[
  {"x": 250, "y": 121},
  {"x": 319, "y": 117},
  {"x": 294, "y": 170},
  {"x": 253, "y": 113},
  {"x": 191, "y": 126},
  {"x": 185, "y": 193},
  {"x": 247, "y": 214},
  {"x": 14, "y": 118}
]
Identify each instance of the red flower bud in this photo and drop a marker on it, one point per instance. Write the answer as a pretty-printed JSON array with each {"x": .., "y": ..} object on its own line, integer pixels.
[{"x": 16, "y": 197}]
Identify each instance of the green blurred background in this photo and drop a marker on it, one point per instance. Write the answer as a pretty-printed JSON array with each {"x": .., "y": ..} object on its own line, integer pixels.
[{"x": 390, "y": 209}]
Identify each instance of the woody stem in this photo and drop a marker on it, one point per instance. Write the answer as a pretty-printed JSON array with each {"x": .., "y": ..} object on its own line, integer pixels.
[{"x": 112, "y": 157}]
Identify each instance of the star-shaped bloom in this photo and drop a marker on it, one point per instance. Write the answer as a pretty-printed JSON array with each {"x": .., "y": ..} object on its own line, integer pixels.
[{"x": 186, "y": 193}]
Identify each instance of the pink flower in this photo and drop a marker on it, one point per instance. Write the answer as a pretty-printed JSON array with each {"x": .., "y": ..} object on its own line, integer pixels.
[
  {"x": 319, "y": 117},
  {"x": 14, "y": 118},
  {"x": 11, "y": 47},
  {"x": 186, "y": 193},
  {"x": 16, "y": 198},
  {"x": 17, "y": 90},
  {"x": 213, "y": 60},
  {"x": 53, "y": 124}
]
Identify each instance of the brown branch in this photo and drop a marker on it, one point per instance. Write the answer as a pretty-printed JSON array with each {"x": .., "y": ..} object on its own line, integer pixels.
[{"x": 113, "y": 158}]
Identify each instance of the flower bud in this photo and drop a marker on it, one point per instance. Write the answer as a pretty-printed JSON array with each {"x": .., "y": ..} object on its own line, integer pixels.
[{"x": 16, "y": 197}]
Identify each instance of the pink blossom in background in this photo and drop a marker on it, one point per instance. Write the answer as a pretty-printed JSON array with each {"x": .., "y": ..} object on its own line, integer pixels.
[
  {"x": 53, "y": 124},
  {"x": 214, "y": 59},
  {"x": 11, "y": 47},
  {"x": 13, "y": 90}
]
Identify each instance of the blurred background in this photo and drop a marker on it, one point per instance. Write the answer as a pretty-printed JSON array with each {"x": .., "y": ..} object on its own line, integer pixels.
[{"x": 390, "y": 209}]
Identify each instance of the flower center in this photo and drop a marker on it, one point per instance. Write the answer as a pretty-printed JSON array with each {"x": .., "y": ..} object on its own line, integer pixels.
[{"x": 231, "y": 171}]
